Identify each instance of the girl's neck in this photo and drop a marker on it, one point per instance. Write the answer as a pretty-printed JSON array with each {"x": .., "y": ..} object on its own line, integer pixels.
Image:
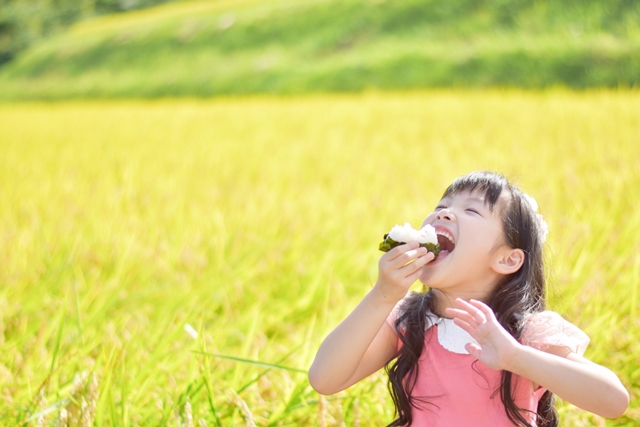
[{"x": 446, "y": 299}]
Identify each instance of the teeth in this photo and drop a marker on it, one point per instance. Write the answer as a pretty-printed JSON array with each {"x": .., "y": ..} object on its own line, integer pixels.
[{"x": 445, "y": 234}]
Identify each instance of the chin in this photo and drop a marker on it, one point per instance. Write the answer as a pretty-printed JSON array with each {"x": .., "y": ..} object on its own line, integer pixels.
[
  {"x": 428, "y": 281},
  {"x": 436, "y": 278}
]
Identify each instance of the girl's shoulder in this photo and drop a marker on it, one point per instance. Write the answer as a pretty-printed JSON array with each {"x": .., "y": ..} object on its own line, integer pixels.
[
  {"x": 405, "y": 305},
  {"x": 547, "y": 329},
  {"x": 398, "y": 311}
]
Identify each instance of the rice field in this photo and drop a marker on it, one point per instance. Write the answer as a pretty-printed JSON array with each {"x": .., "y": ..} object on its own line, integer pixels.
[{"x": 178, "y": 262}]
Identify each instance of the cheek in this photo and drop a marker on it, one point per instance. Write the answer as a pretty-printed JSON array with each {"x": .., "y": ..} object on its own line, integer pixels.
[{"x": 481, "y": 241}]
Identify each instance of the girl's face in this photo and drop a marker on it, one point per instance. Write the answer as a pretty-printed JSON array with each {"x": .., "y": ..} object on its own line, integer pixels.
[{"x": 471, "y": 236}]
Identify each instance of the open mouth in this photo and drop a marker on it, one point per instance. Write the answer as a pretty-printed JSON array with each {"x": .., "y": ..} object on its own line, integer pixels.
[{"x": 445, "y": 240}]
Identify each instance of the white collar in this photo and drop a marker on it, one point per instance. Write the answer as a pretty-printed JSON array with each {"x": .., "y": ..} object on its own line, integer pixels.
[{"x": 450, "y": 336}]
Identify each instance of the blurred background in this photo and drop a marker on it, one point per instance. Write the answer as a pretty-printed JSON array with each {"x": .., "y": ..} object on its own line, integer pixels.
[
  {"x": 192, "y": 193},
  {"x": 65, "y": 49}
]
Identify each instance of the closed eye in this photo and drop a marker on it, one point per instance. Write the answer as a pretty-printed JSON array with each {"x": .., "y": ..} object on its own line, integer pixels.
[
  {"x": 440, "y": 207},
  {"x": 474, "y": 211}
]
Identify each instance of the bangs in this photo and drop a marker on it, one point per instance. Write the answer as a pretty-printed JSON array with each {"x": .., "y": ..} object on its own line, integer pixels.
[{"x": 489, "y": 184}]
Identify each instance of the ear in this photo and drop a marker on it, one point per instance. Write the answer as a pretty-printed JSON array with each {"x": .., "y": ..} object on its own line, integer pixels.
[{"x": 507, "y": 260}]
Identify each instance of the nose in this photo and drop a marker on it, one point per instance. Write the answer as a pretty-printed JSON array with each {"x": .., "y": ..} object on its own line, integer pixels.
[{"x": 444, "y": 214}]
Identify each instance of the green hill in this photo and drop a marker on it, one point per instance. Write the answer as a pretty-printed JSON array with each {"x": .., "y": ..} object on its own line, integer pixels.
[
  {"x": 204, "y": 48},
  {"x": 24, "y": 22}
]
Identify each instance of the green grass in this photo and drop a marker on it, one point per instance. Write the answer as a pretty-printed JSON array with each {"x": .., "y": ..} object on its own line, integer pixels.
[
  {"x": 256, "y": 221},
  {"x": 204, "y": 48}
]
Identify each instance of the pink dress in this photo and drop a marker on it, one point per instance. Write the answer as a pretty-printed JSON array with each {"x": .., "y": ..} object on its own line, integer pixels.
[{"x": 462, "y": 391}]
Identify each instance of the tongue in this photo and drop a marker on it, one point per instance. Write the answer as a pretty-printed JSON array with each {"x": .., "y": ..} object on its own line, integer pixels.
[
  {"x": 443, "y": 254},
  {"x": 445, "y": 244}
]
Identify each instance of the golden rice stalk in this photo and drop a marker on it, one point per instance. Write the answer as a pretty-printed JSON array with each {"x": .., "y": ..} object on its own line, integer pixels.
[
  {"x": 356, "y": 412},
  {"x": 42, "y": 404},
  {"x": 244, "y": 409},
  {"x": 88, "y": 406},
  {"x": 63, "y": 418},
  {"x": 322, "y": 411},
  {"x": 187, "y": 415}
]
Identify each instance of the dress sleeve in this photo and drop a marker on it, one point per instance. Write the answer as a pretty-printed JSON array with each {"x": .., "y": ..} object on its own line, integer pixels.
[
  {"x": 393, "y": 316},
  {"x": 548, "y": 329}
]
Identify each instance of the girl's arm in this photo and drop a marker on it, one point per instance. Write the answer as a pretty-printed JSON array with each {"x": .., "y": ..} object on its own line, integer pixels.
[
  {"x": 364, "y": 342},
  {"x": 575, "y": 379}
]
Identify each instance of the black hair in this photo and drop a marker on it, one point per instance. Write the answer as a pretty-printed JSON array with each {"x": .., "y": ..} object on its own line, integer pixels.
[{"x": 518, "y": 295}]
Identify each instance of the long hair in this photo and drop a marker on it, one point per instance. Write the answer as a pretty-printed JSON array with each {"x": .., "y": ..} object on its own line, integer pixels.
[{"x": 517, "y": 296}]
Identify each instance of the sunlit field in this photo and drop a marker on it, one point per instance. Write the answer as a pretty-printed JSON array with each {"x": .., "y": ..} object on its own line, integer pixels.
[{"x": 179, "y": 262}]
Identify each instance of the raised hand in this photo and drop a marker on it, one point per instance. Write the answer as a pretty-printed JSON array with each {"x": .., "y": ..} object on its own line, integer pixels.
[
  {"x": 495, "y": 346},
  {"x": 363, "y": 342}
]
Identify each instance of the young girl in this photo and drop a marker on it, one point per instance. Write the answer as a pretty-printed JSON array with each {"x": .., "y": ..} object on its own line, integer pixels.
[{"x": 478, "y": 349}]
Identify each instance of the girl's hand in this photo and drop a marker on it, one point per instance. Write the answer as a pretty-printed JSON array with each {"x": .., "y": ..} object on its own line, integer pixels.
[
  {"x": 496, "y": 347},
  {"x": 576, "y": 380},
  {"x": 399, "y": 268}
]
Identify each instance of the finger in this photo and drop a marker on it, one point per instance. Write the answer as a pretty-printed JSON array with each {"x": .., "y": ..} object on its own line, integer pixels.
[
  {"x": 413, "y": 271},
  {"x": 418, "y": 264},
  {"x": 462, "y": 315},
  {"x": 401, "y": 249},
  {"x": 423, "y": 257},
  {"x": 408, "y": 257},
  {"x": 473, "y": 349},
  {"x": 398, "y": 257},
  {"x": 414, "y": 276},
  {"x": 429, "y": 256},
  {"x": 486, "y": 310},
  {"x": 404, "y": 255},
  {"x": 477, "y": 314}
]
